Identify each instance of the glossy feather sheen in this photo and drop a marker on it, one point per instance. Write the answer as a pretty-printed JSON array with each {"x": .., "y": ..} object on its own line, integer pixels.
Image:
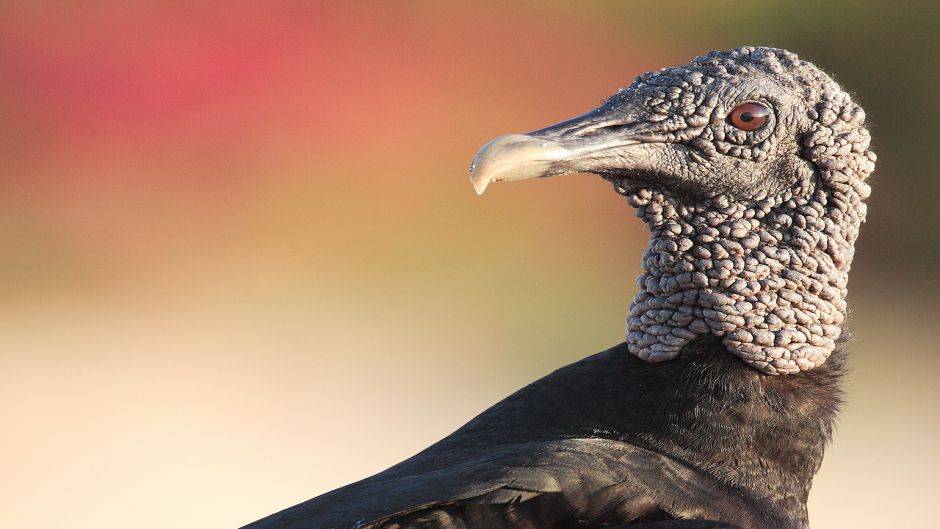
[
  {"x": 717, "y": 410},
  {"x": 609, "y": 440}
]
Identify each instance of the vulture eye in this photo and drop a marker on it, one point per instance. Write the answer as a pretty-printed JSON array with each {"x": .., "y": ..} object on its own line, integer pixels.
[{"x": 749, "y": 116}]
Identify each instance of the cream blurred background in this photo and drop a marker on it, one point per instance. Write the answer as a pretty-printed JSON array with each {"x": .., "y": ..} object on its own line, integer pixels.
[{"x": 243, "y": 265}]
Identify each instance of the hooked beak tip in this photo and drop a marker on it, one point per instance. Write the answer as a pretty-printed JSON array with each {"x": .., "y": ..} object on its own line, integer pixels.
[
  {"x": 479, "y": 185},
  {"x": 514, "y": 157}
]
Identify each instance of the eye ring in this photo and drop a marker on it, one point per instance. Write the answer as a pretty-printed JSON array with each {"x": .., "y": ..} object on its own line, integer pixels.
[{"x": 749, "y": 116}]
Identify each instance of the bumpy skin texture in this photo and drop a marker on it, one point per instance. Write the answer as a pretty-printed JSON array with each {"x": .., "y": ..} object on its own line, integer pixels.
[
  {"x": 759, "y": 256},
  {"x": 752, "y": 236}
]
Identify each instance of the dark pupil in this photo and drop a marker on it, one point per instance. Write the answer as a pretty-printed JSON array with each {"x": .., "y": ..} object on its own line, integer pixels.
[{"x": 747, "y": 117}]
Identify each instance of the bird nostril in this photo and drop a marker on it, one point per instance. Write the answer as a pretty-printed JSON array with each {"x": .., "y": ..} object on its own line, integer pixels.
[
  {"x": 614, "y": 128},
  {"x": 605, "y": 129}
]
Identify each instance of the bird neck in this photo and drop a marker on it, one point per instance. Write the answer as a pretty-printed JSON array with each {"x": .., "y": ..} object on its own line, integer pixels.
[
  {"x": 758, "y": 435},
  {"x": 768, "y": 277}
]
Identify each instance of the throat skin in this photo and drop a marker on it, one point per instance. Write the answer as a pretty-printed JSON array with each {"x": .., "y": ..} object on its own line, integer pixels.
[
  {"x": 720, "y": 403},
  {"x": 767, "y": 276}
]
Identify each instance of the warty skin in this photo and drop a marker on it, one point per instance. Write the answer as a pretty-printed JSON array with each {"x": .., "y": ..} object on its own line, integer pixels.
[
  {"x": 716, "y": 411},
  {"x": 752, "y": 233}
]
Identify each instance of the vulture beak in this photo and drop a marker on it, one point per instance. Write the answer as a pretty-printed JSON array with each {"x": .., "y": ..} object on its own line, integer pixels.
[{"x": 599, "y": 142}]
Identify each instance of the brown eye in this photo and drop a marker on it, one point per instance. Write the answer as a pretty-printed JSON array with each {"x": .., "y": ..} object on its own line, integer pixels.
[{"x": 749, "y": 116}]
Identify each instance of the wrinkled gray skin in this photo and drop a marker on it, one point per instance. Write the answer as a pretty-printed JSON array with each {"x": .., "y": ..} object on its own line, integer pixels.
[
  {"x": 751, "y": 239},
  {"x": 751, "y": 233}
]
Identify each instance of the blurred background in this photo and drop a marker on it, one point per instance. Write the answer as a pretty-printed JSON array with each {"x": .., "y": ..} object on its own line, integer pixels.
[{"x": 242, "y": 264}]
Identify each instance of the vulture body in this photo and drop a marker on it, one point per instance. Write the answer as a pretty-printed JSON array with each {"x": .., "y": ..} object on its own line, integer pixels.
[{"x": 748, "y": 168}]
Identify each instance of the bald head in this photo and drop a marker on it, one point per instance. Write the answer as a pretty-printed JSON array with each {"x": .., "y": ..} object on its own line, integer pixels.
[{"x": 748, "y": 168}]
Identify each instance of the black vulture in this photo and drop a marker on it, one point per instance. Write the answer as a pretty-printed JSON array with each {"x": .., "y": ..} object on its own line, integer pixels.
[{"x": 748, "y": 168}]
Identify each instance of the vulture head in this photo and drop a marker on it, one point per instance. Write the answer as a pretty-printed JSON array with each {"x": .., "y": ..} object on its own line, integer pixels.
[{"x": 748, "y": 167}]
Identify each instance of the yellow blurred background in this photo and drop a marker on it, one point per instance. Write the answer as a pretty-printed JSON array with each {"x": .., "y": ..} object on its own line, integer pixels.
[{"x": 242, "y": 264}]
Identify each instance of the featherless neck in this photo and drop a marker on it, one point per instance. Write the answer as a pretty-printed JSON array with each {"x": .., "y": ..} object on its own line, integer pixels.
[{"x": 768, "y": 276}]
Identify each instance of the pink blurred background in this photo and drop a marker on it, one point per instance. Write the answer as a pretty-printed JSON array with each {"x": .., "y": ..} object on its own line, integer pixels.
[{"x": 243, "y": 264}]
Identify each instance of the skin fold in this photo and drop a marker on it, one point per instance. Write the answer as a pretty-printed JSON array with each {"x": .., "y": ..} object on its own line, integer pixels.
[{"x": 716, "y": 410}]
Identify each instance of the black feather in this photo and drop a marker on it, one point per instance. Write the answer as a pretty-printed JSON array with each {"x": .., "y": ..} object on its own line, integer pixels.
[{"x": 609, "y": 440}]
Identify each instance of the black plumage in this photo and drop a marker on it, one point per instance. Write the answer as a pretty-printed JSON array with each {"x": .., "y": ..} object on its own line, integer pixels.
[
  {"x": 748, "y": 168},
  {"x": 609, "y": 440}
]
